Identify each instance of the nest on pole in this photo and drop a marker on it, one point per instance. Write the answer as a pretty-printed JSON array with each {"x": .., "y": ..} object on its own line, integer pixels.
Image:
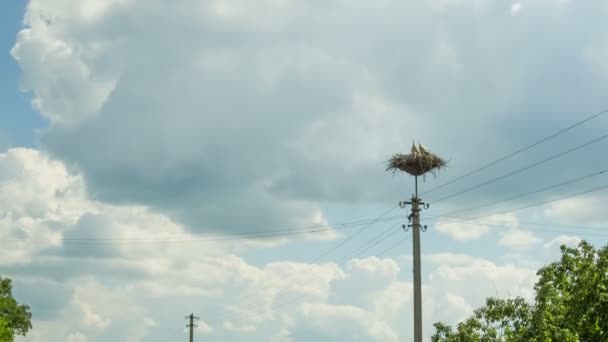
[{"x": 419, "y": 162}]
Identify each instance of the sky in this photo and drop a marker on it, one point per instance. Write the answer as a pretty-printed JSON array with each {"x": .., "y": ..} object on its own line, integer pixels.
[{"x": 227, "y": 159}]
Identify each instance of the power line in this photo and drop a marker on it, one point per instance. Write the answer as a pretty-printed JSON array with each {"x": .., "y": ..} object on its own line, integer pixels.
[
  {"x": 342, "y": 243},
  {"x": 522, "y": 169},
  {"x": 345, "y": 241},
  {"x": 350, "y": 256},
  {"x": 322, "y": 255},
  {"x": 528, "y": 206},
  {"x": 327, "y": 252},
  {"x": 552, "y": 231},
  {"x": 359, "y": 251},
  {"x": 373, "y": 242},
  {"x": 525, "y": 194},
  {"x": 563, "y": 226},
  {"x": 527, "y": 223},
  {"x": 243, "y": 236},
  {"x": 517, "y": 151},
  {"x": 396, "y": 244},
  {"x": 393, "y": 246}
]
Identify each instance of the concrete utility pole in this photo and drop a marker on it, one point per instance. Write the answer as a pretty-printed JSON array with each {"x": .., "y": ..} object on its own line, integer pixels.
[
  {"x": 414, "y": 218},
  {"x": 192, "y": 325},
  {"x": 419, "y": 162}
]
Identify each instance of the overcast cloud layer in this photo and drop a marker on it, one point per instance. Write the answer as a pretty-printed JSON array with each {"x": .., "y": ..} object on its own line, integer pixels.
[{"x": 201, "y": 118}]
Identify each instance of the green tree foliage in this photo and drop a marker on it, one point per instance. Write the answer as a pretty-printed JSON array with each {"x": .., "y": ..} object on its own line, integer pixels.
[
  {"x": 571, "y": 304},
  {"x": 6, "y": 334},
  {"x": 15, "y": 319}
]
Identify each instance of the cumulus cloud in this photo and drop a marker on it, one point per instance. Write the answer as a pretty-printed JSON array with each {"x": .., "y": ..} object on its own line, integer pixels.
[
  {"x": 167, "y": 122},
  {"x": 229, "y": 119},
  {"x": 552, "y": 247},
  {"x": 77, "y": 337},
  {"x": 463, "y": 231},
  {"x": 491, "y": 278},
  {"x": 456, "y": 306},
  {"x": 516, "y": 8},
  {"x": 578, "y": 210},
  {"x": 568, "y": 240},
  {"x": 449, "y": 259},
  {"x": 518, "y": 239},
  {"x": 46, "y": 212},
  {"x": 351, "y": 323},
  {"x": 124, "y": 293},
  {"x": 204, "y": 328},
  {"x": 473, "y": 229}
]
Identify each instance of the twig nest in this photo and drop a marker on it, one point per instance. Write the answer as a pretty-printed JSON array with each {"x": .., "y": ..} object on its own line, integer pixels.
[{"x": 419, "y": 162}]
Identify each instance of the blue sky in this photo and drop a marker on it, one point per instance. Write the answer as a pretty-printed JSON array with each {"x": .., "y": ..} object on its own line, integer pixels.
[
  {"x": 139, "y": 138},
  {"x": 19, "y": 122}
]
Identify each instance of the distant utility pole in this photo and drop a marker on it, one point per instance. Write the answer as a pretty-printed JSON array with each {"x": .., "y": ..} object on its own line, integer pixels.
[{"x": 192, "y": 325}]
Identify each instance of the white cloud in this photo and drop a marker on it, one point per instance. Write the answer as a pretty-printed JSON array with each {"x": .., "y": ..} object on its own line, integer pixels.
[
  {"x": 568, "y": 240},
  {"x": 552, "y": 247},
  {"x": 578, "y": 210},
  {"x": 81, "y": 94},
  {"x": 457, "y": 307},
  {"x": 490, "y": 279},
  {"x": 463, "y": 231},
  {"x": 77, "y": 337},
  {"x": 204, "y": 327},
  {"x": 265, "y": 113},
  {"x": 108, "y": 286},
  {"x": 227, "y": 116},
  {"x": 467, "y": 230},
  {"x": 91, "y": 318},
  {"x": 346, "y": 322},
  {"x": 516, "y": 8},
  {"x": 449, "y": 259},
  {"x": 243, "y": 131},
  {"x": 518, "y": 239}
]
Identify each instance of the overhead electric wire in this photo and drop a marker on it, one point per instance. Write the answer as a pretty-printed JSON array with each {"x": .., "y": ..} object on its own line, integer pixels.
[
  {"x": 388, "y": 232},
  {"x": 578, "y": 123},
  {"x": 512, "y": 173},
  {"x": 380, "y": 238},
  {"x": 383, "y": 236},
  {"x": 525, "y": 194},
  {"x": 455, "y": 219},
  {"x": 243, "y": 236},
  {"x": 248, "y": 307},
  {"x": 378, "y": 241},
  {"x": 351, "y": 256},
  {"x": 527, "y": 223},
  {"x": 345, "y": 241},
  {"x": 393, "y": 246},
  {"x": 533, "y": 204},
  {"x": 562, "y": 226},
  {"x": 518, "y": 227}
]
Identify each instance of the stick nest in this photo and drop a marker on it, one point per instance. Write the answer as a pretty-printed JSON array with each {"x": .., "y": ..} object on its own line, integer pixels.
[{"x": 419, "y": 162}]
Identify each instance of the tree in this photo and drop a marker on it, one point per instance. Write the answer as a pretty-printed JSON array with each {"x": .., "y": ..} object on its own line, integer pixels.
[
  {"x": 6, "y": 334},
  {"x": 571, "y": 304},
  {"x": 15, "y": 319}
]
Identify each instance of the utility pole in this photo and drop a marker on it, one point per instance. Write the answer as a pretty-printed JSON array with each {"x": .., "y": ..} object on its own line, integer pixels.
[
  {"x": 414, "y": 218},
  {"x": 192, "y": 325},
  {"x": 419, "y": 162}
]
